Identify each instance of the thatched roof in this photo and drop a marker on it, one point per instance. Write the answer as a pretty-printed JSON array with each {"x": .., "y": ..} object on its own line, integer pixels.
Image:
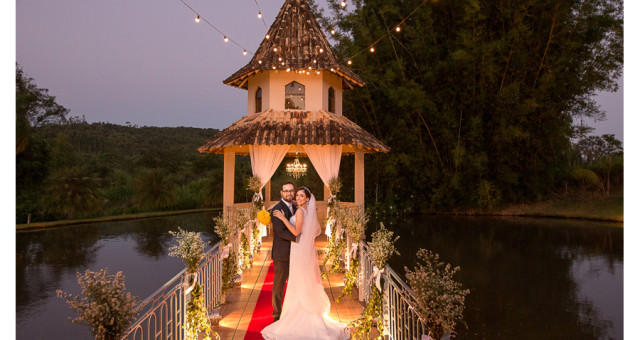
[
  {"x": 293, "y": 128},
  {"x": 299, "y": 44}
]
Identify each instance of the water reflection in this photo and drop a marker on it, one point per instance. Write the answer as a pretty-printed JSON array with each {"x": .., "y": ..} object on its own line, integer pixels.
[
  {"x": 526, "y": 275},
  {"x": 48, "y": 260}
]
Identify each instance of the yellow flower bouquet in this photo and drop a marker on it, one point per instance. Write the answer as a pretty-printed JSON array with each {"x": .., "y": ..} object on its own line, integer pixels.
[{"x": 264, "y": 217}]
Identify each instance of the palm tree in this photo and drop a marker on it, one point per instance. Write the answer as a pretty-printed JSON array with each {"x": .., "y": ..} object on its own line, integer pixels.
[
  {"x": 71, "y": 192},
  {"x": 154, "y": 190}
]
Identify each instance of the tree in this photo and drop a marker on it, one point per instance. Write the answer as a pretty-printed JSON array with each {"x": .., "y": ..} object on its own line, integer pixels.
[
  {"x": 34, "y": 107},
  {"x": 72, "y": 192},
  {"x": 601, "y": 152},
  {"x": 154, "y": 190},
  {"x": 473, "y": 92}
]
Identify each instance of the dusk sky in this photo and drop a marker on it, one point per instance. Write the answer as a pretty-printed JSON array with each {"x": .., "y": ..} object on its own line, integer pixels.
[{"x": 147, "y": 62}]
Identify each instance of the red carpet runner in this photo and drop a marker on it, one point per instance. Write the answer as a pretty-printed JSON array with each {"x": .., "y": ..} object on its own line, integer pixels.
[{"x": 261, "y": 316}]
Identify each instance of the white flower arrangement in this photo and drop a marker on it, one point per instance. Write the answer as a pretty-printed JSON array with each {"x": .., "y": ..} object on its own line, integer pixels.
[
  {"x": 440, "y": 298},
  {"x": 382, "y": 246},
  {"x": 223, "y": 229},
  {"x": 106, "y": 306},
  {"x": 353, "y": 221},
  {"x": 190, "y": 248}
]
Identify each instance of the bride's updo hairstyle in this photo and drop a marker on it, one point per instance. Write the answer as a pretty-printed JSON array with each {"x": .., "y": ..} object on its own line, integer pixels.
[{"x": 306, "y": 191}]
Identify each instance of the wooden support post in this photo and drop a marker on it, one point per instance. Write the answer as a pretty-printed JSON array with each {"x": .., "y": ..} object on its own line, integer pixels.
[
  {"x": 359, "y": 179},
  {"x": 267, "y": 194},
  {"x": 228, "y": 185}
]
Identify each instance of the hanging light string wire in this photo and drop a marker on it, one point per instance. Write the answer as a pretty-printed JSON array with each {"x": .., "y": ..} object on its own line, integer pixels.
[
  {"x": 260, "y": 15},
  {"x": 388, "y": 32},
  {"x": 214, "y": 27}
]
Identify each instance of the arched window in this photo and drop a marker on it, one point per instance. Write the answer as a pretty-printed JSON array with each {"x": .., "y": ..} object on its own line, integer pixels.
[
  {"x": 259, "y": 100},
  {"x": 294, "y": 96},
  {"x": 332, "y": 100}
]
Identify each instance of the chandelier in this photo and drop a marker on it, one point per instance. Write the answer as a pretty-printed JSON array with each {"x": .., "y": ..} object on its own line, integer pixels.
[{"x": 295, "y": 169}]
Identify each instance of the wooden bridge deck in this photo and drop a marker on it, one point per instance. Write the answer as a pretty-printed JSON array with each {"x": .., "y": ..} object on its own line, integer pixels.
[{"x": 241, "y": 300}]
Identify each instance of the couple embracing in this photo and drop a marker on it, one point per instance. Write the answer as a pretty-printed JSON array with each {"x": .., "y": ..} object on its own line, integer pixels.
[{"x": 305, "y": 311}]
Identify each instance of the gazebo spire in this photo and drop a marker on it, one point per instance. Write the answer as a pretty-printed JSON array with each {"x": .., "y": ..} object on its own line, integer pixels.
[{"x": 295, "y": 42}]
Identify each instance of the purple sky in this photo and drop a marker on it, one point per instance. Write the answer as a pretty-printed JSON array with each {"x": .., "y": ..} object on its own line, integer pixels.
[{"x": 148, "y": 63}]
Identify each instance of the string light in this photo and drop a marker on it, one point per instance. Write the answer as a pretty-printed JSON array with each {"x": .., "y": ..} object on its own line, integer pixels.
[
  {"x": 333, "y": 31},
  {"x": 349, "y": 62},
  {"x": 275, "y": 49},
  {"x": 397, "y": 28},
  {"x": 244, "y": 52},
  {"x": 321, "y": 50},
  {"x": 198, "y": 18},
  {"x": 259, "y": 15},
  {"x": 372, "y": 49},
  {"x": 343, "y": 4},
  {"x": 267, "y": 36},
  {"x": 226, "y": 39}
]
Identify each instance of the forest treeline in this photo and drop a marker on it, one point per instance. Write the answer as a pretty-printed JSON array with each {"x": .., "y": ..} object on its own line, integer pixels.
[{"x": 480, "y": 101}]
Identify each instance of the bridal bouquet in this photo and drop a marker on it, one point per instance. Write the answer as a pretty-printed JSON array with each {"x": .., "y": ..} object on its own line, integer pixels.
[{"x": 264, "y": 217}]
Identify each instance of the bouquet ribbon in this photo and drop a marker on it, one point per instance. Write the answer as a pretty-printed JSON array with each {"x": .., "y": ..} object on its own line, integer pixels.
[
  {"x": 225, "y": 251},
  {"x": 377, "y": 273},
  {"x": 354, "y": 249},
  {"x": 256, "y": 196}
]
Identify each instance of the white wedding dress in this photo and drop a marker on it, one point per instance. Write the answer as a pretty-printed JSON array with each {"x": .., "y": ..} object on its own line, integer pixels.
[{"x": 305, "y": 310}]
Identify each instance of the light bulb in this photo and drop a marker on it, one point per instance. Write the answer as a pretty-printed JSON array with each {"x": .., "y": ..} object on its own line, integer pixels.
[
  {"x": 397, "y": 28},
  {"x": 198, "y": 18},
  {"x": 260, "y": 62},
  {"x": 333, "y": 31},
  {"x": 314, "y": 61},
  {"x": 244, "y": 52},
  {"x": 321, "y": 50},
  {"x": 343, "y": 3},
  {"x": 275, "y": 49},
  {"x": 288, "y": 69},
  {"x": 349, "y": 62},
  {"x": 226, "y": 39},
  {"x": 266, "y": 36},
  {"x": 332, "y": 69},
  {"x": 372, "y": 49},
  {"x": 259, "y": 15}
]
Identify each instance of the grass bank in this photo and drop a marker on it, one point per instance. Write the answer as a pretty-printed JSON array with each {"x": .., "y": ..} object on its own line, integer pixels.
[
  {"x": 62, "y": 223},
  {"x": 605, "y": 208}
]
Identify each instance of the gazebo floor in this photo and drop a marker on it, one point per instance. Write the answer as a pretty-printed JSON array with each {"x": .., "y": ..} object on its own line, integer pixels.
[{"x": 241, "y": 300}]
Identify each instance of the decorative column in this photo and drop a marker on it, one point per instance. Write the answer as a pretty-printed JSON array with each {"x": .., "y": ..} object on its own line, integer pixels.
[
  {"x": 359, "y": 179},
  {"x": 228, "y": 186}
]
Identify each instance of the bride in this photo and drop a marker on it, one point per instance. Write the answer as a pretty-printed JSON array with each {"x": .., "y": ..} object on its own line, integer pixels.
[{"x": 305, "y": 310}]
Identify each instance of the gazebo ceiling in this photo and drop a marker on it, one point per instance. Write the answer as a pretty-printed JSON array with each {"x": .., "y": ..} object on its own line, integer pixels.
[
  {"x": 295, "y": 128},
  {"x": 295, "y": 42}
]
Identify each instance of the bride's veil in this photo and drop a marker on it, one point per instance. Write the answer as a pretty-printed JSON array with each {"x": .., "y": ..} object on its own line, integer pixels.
[{"x": 304, "y": 269}]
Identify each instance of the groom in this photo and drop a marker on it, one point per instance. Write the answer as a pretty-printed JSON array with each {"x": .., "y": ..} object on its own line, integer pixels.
[{"x": 281, "y": 247}]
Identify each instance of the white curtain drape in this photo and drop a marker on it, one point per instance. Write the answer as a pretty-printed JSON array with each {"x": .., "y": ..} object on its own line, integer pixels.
[
  {"x": 265, "y": 160},
  {"x": 325, "y": 159}
]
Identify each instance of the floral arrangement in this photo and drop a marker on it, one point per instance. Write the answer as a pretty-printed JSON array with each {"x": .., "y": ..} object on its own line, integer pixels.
[
  {"x": 335, "y": 249},
  {"x": 190, "y": 248},
  {"x": 223, "y": 229},
  {"x": 197, "y": 320},
  {"x": 381, "y": 248},
  {"x": 243, "y": 217},
  {"x": 105, "y": 306},
  {"x": 246, "y": 252},
  {"x": 264, "y": 217},
  {"x": 440, "y": 298},
  {"x": 335, "y": 184},
  {"x": 255, "y": 185},
  {"x": 229, "y": 270}
]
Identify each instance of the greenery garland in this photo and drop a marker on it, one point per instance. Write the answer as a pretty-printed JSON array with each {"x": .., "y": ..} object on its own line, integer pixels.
[
  {"x": 229, "y": 270},
  {"x": 335, "y": 249},
  {"x": 352, "y": 277},
  {"x": 371, "y": 315},
  {"x": 246, "y": 252},
  {"x": 197, "y": 318},
  {"x": 256, "y": 240}
]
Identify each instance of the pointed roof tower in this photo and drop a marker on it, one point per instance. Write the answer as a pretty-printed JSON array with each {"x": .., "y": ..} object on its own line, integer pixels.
[{"x": 295, "y": 41}]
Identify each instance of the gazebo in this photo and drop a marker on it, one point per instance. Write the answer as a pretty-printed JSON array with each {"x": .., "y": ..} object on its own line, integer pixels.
[{"x": 295, "y": 84}]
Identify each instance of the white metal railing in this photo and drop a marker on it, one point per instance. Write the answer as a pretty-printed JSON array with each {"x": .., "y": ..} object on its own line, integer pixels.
[
  {"x": 163, "y": 313},
  {"x": 400, "y": 316}
]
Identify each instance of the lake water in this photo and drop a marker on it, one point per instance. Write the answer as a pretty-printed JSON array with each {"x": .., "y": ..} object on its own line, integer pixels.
[{"x": 529, "y": 278}]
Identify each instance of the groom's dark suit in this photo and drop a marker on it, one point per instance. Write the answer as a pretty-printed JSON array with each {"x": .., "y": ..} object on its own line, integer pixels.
[{"x": 280, "y": 251}]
